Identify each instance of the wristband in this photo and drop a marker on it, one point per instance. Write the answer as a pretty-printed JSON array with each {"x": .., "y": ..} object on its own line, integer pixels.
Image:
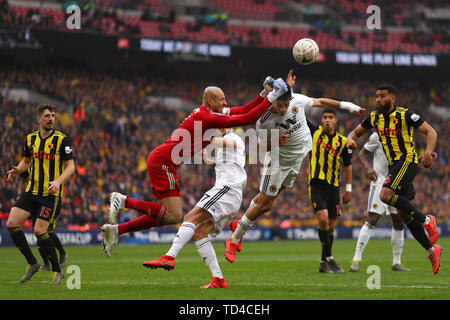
[
  {"x": 348, "y": 187},
  {"x": 350, "y": 107}
]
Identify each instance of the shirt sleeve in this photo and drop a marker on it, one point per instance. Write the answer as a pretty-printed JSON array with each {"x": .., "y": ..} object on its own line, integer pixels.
[
  {"x": 347, "y": 155},
  {"x": 215, "y": 120},
  {"x": 26, "y": 149},
  {"x": 66, "y": 150},
  {"x": 366, "y": 124},
  {"x": 372, "y": 144},
  {"x": 312, "y": 127},
  {"x": 413, "y": 119},
  {"x": 304, "y": 101}
]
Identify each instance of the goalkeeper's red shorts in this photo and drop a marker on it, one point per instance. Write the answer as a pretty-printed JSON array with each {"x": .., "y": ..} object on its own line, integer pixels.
[{"x": 163, "y": 174}]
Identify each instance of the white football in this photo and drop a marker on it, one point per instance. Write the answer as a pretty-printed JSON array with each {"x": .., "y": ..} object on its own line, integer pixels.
[{"x": 305, "y": 51}]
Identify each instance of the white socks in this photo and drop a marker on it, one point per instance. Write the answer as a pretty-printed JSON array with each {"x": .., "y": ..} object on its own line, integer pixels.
[
  {"x": 363, "y": 239},
  {"x": 204, "y": 247},
  {"x": 183, "y": 236},
  {"x": 397, "y": 239},
  {"x": 242, "y": 227},
  {"x": 207, "y": 253}
]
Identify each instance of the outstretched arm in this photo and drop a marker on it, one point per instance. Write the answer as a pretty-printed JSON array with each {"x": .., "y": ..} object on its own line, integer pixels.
[
  {"x": 328, "y": 103},
  {"x": 224, "y": 121}
]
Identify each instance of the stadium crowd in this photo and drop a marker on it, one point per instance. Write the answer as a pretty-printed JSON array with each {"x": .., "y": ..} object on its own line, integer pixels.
[
  {"x": 431, "y": 35},
  {"x": 114, "y": 126}
]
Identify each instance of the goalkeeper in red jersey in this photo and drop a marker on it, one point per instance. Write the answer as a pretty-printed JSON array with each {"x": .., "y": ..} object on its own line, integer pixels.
[{"x": 181, "y": 147}]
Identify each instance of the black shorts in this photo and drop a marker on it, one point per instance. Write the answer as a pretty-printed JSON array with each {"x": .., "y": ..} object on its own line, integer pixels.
[
  {"x": 44, "y": 208},
  {"x": 324, "y": 196},
  {"x": 400, "y": 177}
]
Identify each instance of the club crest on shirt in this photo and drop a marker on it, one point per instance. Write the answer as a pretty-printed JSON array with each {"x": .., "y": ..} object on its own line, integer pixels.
[
  {"x": 50, "y": 146},
  {"x": 294, "y": 110}
]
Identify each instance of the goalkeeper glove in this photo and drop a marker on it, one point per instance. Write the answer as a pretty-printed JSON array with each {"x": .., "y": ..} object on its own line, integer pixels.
[{"x": 279, "y": 88}]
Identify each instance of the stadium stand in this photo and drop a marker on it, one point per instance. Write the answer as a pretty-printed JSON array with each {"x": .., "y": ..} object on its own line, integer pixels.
[{"x": 332, "y": 24}]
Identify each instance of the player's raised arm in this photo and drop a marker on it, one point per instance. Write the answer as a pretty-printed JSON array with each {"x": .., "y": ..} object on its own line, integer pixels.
[
  {"x": 222, "y": 121},
  {"x": 268, "y": 86},
  {"x": 328, "y": 103},
  {"x": 343, "y": 105}
]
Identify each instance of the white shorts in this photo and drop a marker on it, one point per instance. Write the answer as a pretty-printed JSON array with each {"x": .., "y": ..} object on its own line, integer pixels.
[
  {"x": 275, "y": 176},
  {"x": 223, "y": 202},
  {"x": 375, "y": 205}
]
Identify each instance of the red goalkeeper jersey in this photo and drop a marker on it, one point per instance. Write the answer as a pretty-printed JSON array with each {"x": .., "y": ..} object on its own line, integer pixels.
[{"x": 189, "y": 135}]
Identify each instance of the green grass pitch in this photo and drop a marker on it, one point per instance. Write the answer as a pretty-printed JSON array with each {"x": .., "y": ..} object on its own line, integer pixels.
[{"x": 283, "y": 270}]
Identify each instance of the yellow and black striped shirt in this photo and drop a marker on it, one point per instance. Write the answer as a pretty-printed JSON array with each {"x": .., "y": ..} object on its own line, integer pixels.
[
  {"x": 395, "y": 132},
  {"x": 327, "y": 150},
  {"x": 47, "y": 160}
]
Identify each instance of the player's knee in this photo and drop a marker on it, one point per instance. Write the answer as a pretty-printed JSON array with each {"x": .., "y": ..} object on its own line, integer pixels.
[
  {"x": 323, "y": 220},
  {"x": 11, "y": 224},
  {"x": 372, "y": 220},
  {"x": 386, "y": 195},
  {"x": 397, "y": 223},
  {"x": 172, "y": 218},
  {"x": 39, "y": 230}
]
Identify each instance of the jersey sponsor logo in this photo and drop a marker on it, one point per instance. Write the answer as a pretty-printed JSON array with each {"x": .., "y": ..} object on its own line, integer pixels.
[
  {"x": 327, "y": 146},
  {"x": 287, "y": 124},
  {"x": 43, "y": 155},
  {"x": 388, "y": 132}
]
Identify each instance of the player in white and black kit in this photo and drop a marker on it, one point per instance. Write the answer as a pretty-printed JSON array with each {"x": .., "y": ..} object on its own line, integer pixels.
[
  {"x": 375, "y": 208},
  {"x": 287, "y": 114},
  {"x": 215, "y": 209}
]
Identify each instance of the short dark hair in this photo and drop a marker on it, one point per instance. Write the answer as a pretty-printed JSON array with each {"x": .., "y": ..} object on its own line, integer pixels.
[
  {"x": 45, "y": 106},
  {"x": 387, "y": 86},
  {"x": 287, "y": 95},
  {"x": 329, "y": 111}
]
